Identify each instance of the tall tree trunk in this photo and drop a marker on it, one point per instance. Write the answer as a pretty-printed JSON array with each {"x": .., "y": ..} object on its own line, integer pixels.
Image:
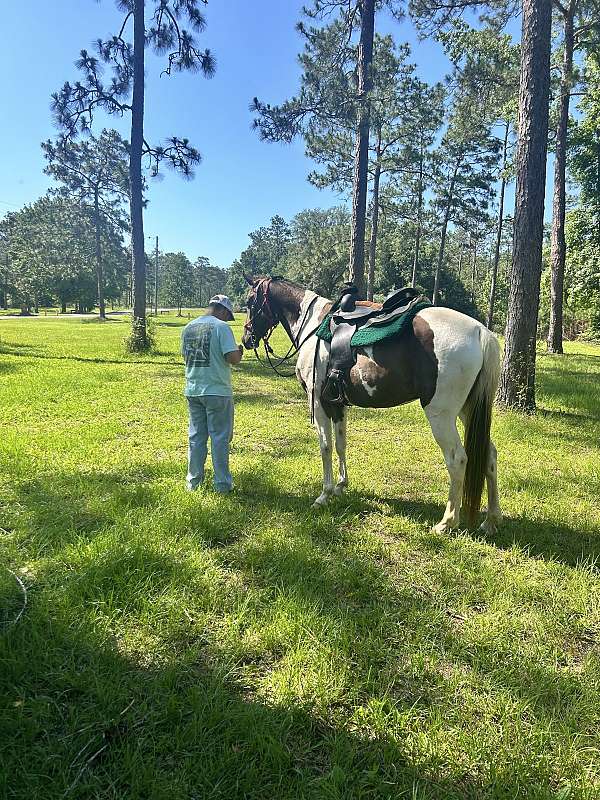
[
  {"x": 99, "y": 267},
  {"x": 496, "y": 262},
  {"x": 473, "y": 270},
  {"x": 63, "y": 306},
  {"x": 361, "y": 152},
  {"x": 5, "y": 303},
  {"x": 419, "y": 220},
  {"x": 517, "y": 380},
  {"x": 460, "y": 262},
  {"x": 440, "y": 261},
  {"x": 139, "y": 338},
  {"x": 156, "y": 280},
  {"x": 558, "y": 246},
  {"x": 374, "y": 226}
]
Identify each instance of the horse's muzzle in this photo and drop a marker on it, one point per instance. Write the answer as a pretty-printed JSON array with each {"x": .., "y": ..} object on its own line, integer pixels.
[{"x": 249, "y": 341}]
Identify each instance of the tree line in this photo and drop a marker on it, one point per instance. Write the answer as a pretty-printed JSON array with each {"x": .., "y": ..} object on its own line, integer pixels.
[
  {"x": 63, "y": 251},
  {"x": 425, "y": 167}
]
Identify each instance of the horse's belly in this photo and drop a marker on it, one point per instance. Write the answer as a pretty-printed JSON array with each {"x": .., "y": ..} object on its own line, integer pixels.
[{"x": 373, "y": 384}]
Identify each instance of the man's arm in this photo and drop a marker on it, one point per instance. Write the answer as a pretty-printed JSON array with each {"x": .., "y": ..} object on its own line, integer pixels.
[{"x": 235, "y": 356}]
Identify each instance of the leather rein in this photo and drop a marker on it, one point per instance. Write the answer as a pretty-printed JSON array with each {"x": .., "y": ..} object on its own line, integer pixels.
[{"x": 273, "y": 319}]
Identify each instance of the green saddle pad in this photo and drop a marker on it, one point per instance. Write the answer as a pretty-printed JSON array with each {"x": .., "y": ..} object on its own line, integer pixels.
[{"x": 363, "y": 337}]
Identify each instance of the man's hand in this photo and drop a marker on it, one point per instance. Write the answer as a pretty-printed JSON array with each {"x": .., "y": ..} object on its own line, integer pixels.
[{"x": 235, "y": 356}]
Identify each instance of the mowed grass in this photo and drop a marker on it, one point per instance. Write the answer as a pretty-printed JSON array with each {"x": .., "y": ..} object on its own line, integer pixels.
[{"x": 197, "y": 646}]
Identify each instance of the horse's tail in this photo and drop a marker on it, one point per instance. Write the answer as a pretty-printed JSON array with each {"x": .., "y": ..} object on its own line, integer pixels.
[{"x": 478, "y": 421}]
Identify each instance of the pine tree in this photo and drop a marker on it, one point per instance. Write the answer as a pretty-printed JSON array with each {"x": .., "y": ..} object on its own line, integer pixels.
[
  {"x": 517, "y": 380},
  {"x": 352, "y": 88},
  {"x": 95, "y": 171},
  {"x": 488, "y": 61},
  {"x": 579, "y": 19},
  {"x": 75, "y": 105}
]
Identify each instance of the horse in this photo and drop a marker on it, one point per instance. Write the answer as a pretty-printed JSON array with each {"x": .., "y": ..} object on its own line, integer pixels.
[{"x": 446, "y": 360}]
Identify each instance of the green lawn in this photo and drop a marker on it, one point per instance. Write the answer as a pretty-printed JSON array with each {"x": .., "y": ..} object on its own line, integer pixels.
[{"x": 197, "y": 646}]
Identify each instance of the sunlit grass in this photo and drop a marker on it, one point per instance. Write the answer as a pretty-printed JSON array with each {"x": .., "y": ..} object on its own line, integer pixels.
[{"x": 194, "y": 646}]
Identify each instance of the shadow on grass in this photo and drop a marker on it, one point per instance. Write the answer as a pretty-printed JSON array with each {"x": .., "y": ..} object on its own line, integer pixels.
[
  {"x": 98, "y": 724},
  {"x": 19, "y": 349},
  {"x": 6, "y": 368},
  {"x": 190, "y": 724},
  {"x": 66, "y": 507},
  {"x": 545, "y": 539},
  {"x": 93, "y": 360}
]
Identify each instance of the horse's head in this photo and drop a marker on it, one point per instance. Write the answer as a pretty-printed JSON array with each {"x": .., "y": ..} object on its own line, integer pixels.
[{"x": 261, "y": 318}]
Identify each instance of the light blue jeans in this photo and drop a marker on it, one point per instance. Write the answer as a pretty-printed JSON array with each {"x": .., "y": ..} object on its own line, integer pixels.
[{"x": 210, "y": 415}]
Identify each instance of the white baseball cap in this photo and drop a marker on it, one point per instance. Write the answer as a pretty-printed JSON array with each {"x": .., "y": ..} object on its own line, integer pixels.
[{"x": 222, "y": 300}]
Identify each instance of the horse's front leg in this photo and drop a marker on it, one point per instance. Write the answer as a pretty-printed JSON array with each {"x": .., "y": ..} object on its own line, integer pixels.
[
  {"x": 339, "y": 428},
  {"x": 323, "y": 426}
]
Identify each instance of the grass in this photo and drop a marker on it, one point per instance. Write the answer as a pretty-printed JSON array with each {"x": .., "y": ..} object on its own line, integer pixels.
[{"x": 201, "y": 646}]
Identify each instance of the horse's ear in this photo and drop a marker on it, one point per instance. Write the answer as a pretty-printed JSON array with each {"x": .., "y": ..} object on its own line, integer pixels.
[{"x": 249, "y": 279}]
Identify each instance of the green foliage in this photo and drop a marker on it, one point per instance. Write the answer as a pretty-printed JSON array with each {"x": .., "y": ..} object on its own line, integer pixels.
[
  {"x": 584, "y": 149},
  {"x": 318, "y": 254},
  {"x": 183, "y": 283},
  {"x": 75, "y": 105},
  {"x": 265, "y": 255},
  {"x": 94, "y": 168},
  {"x": 50, "y": 246},
  {"x": 177, "y": 279}
]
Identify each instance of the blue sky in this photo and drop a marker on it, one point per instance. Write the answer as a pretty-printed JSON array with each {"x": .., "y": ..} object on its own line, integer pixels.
[{"x": 242, "y": 181}]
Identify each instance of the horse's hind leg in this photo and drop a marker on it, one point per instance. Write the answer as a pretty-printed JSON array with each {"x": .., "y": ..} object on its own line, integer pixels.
[
  {"x": 494, "y": 514},
  {"x": 339, "y": 428},
  {"x": 323, "y": 425},
  {"x": 443, "y": 427}
]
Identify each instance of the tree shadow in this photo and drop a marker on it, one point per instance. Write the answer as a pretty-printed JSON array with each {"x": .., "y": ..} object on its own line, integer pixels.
[
  {"x": 20, "y": 349},
  {"x": 6, "y": 367},
  {"x": 99, "y": 724},
  {"x": 540, "y": 538},
  {"x": 63, "y": 508},
  {"x": 187, "y": 721}
]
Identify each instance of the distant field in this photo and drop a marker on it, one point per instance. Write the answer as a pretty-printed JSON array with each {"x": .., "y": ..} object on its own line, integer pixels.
[{"x": 199, "y": 646}]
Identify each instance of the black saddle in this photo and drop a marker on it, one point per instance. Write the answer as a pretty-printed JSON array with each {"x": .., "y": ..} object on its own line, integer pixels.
[{"x": 346, "y": 318}]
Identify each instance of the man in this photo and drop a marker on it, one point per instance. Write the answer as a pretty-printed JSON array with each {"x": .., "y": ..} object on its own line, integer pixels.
[{"x": 209, "y": 350}]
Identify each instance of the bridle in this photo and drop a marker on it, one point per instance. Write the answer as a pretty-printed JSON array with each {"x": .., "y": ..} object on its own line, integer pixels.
[
  {"x": 264, "y": 308},
  {"x": 273, "y": 318}
]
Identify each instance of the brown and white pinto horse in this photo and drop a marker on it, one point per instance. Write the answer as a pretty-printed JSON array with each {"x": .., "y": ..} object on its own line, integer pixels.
[{"x": 447, "y": 361}]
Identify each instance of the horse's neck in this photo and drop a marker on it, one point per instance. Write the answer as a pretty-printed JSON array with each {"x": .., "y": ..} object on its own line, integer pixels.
[{"x": 303, "y": 314}]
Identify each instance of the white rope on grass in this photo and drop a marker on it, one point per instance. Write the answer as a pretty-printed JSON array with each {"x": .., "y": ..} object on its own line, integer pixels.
[{"x": 24, "y": 590}]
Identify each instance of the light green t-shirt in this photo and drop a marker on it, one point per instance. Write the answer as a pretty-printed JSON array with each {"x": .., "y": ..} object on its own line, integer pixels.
[{"x": 205, "y": 341}]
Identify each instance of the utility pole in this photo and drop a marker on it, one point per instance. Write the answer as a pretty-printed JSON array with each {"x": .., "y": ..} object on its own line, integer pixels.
[{"x": 156, "y": 280}]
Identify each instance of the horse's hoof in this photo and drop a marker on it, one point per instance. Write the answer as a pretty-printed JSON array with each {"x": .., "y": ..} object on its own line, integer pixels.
[
  {"x": 444, "y": 527},
  {"x": 489, "y": 526},
  {"x": 339, "y": 489},
  {"x": 321, "y": 501}
]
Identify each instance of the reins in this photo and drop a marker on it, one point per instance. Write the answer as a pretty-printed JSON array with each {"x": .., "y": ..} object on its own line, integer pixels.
[{"x": 274, "y": 320}]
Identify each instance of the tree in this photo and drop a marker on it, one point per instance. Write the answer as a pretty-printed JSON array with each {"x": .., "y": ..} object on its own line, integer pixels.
[
  {"x": 317, "y": 255},
  {"x": 578, "y": 18},
  {"x": 94, "y": 171},
  {"x": 177, "y": 279},
  {"x": 351, "y": 86},
  {"x": 466, "y": 160},
  {"x": 75, "y": 105},
  {"x": 488, "y": 61},
  {"x": 405, "y": 114},
  {"x": 51, "y": 243},
  {"x": 517, "y": 379},
  {"x": 268, "y": 248}
]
